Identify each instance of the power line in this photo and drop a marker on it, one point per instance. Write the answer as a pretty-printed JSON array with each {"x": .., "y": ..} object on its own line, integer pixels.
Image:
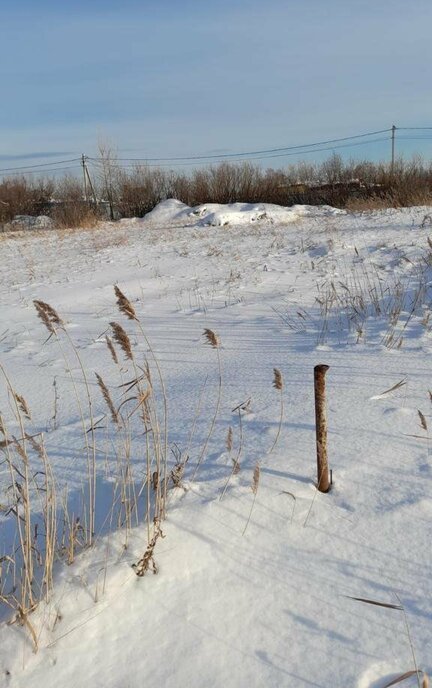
[
  {"x": 44, "y": 164},
  {"x": 52, "y": 169},
  {"x": 253, "y": 153},
  {"x": 115, "y": 163},
  {"x": 264, "y": 154}
]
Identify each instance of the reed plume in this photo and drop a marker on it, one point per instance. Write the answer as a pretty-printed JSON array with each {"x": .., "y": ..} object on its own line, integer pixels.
[
  {"x": 235, "y": 469},
  {"x": 212, "y": 338},
  {"x": 255, "y": 480},
  {"x": 278, "y": 384},
  {"x": 277, "y": 379},
  {"x": 423, "y": 422},
  {"x": 48, "y": 315},
  {"x": 229, "y": 439},
  {"x": 108, "y": 400},
  {"x": 23, "y": 405},
  {"x": 214, "y": 341},
  {"x": 122, "y": 340},
  {"x": 254, "y": 486},
  {"x": 124, "y": 304},
  {"x": 112, "y": 351}
]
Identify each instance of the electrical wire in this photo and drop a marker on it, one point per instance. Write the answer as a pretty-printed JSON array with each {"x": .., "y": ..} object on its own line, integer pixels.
[
  {"x": 264, "y": 154},
  {"x": 257, "y": 152},
  {"x": 44, "y": 164},
  {"x": 52, "y": 169},
  {"x": 116, "y": 163}
]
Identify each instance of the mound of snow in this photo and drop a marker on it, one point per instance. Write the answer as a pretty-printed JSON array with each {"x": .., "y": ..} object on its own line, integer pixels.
[
  {"x": 168, "y": 212},
  {"x": 30, "y": 222},
  {"x": 217, "y": 215},
  {"x": 173, "y": 212}
]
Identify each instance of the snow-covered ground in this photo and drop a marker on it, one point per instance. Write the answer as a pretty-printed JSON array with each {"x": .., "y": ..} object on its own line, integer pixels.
[{"x": 270, "y": 606}]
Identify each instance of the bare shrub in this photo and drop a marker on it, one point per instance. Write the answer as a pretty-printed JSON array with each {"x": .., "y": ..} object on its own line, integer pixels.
[
  {"x": 226, "y": 183},
  {"x": 352, "y": 184},
  {"x": 70, "y": 209},
  {"x": 140, "y": 191},
  {"x": 23, "y": 196}
]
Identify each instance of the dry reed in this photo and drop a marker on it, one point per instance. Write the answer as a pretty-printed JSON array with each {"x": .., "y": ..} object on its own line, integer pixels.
[
  {"x": 278, "y": 385},
  {"x": 423, "y": 422},
  {"x": 111, "y": 349},
  {"x": 147, "y": 561},
  {"x": 122, "y": 340},
  {"x": 254, "y": 486},
  {"x": 108, "y": 400},
  {"x": 124, "y": 304},
  {"x": 213, "y": 340}
]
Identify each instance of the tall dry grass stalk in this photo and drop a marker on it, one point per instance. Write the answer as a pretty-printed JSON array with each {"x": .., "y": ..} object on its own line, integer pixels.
[
  {"x": 108, "y": 400},
  {"x": 29, "y": 574},
  {"x": 46, "y": 527},
  {"x": 213, "y": 340},
  {"x": 19, "y": 470},
  {"x": 399, "y": 607},
  {"x": 122, "y": 339},
  {"x": 111, "y": 349},
  {"x": 54, "y": 324},
  {"x": 235, "y": 469},
  {"x": 124, "y": 305},
  {"x": 229, "y": 440},
  {"x": 255, "y": 485},
  {"x": 147, "y": 561},
  {"x": 347, "y": 305},
  {"x": 161, "y": 447},
  {"x": 278, "y": 385},
  {"x": 196, "y": 416}
]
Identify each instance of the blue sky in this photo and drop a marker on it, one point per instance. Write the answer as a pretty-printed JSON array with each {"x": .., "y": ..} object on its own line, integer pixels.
[{"x": 188, "y": 77}]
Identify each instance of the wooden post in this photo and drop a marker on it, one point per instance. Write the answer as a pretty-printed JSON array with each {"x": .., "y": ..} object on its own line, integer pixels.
[
  {"x": 92, "y": 189},
  {"x": 83, "y": 163},
  {"x": 323, "y": 484},
  {"x": 393, "y": 129}
]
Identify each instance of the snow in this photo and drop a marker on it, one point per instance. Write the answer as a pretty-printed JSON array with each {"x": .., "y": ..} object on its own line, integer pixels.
[
  {"x": 272, "y": 607},
  {"x": 29, "y": 222},
  {"x": 173, "y": 213}
]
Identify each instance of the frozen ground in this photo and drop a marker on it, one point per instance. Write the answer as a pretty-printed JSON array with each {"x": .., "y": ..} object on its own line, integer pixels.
[{"x": 286, "y": 289}]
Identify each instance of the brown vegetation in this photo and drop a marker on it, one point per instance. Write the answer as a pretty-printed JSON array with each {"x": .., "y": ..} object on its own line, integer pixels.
[{"x": 345, "y": 184}]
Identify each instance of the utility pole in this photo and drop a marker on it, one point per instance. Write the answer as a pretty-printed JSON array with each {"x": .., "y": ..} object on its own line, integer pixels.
[
  {"x": 88, "y": 184},
  {"x": 393, "y": 130},
  {"x": 83, "y": 163}
]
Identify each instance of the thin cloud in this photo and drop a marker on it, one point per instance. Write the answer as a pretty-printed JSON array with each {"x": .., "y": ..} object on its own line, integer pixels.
[{"x": 37, "y": 155}]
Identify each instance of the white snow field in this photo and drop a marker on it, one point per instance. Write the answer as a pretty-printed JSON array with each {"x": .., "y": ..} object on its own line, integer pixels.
[{"x": 271, "y": 604}]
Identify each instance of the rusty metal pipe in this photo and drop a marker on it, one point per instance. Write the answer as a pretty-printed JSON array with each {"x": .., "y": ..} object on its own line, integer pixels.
[{"x": 323, "y": 484}]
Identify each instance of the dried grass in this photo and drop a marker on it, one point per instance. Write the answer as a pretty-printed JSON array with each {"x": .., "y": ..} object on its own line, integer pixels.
[
  {"x": 423, "y": 422},
  {"x": 111, "y": 349},
  {"x": 124, "y": 305},
  {"x": 277, "y": 379},
  {"x": 122, "y": 339},
  {"x": 254, "y": 487},
  {"x": 147, "y": 561},
  {"x": 212, "y": 338},
  {"x": 108, "y": 400}
]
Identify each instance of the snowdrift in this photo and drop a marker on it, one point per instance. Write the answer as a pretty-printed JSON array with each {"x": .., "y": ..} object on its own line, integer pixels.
[{"x": 175, "y": 213}]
